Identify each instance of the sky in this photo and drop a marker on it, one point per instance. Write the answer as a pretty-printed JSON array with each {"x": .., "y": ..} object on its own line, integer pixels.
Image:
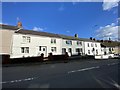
[{"x": 87, "y": 19}]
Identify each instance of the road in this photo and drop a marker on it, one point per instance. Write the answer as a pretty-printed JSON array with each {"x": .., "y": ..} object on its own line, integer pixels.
[{"x": 75, "y": 74}]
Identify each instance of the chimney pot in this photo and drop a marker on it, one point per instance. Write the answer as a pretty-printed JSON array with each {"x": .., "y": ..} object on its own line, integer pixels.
[
  {"x": 19, "y": 25},
  {"x": 76, "y": 35}
]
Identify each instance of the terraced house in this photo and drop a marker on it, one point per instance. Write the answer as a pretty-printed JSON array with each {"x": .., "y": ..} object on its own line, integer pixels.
[
  {"x": 110, "y": 47},
  {"x": 18, "y": 42}
]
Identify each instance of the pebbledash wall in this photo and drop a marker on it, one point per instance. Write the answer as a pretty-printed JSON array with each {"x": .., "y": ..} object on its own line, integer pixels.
[{"x": 28, "y": 43}]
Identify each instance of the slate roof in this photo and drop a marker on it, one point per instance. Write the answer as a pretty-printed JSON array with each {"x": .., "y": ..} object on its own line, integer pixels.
[
  {"x": 10, "y": 27},
  {"x": 110, "y": 44},
  {"x": 23, "y": 31}
]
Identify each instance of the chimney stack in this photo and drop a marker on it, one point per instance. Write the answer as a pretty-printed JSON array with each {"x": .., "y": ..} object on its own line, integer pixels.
[
  {"x": 76, "y": 35},
  {"x": 94, "y": 39},
  {"x": 91, "y": 38},
  {"x": 19, "y": 25}
]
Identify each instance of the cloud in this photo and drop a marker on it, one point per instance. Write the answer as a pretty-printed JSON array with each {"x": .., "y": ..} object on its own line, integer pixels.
[
  {"x": 108, "y": 5},
  {"x": 108, "y": 31},
  {"x": 38, "y": 29},
  {"x": 68, "y": 31}
]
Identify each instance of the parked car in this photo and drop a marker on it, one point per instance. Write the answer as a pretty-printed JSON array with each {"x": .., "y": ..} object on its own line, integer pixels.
[{"x": 116, "y": 56}]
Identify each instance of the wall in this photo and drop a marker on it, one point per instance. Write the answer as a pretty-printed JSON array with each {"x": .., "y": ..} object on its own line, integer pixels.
[
  {"x": 5, "y": 41},
  {"x": 36, "y": 41},
  {"x": 117, "y": 50},
  {"x": 91, "y": 48},
  {"x": 73, "y": 46},
  {"x": 106, "y": 49}
]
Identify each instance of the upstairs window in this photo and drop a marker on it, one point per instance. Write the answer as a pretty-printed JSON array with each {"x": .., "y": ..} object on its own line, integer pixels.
[
  {"x": 26, "y": 39},
  {"x": 88, "y": 44},
  {"x": 69, "y": 42},
  {"x": 53, "y": 41},
  {"x": 91, "y": 44},
  {"x": 97, "y": 52},
  {"x": 79, "y": 43},
  {"x": 95, "y": 45}
]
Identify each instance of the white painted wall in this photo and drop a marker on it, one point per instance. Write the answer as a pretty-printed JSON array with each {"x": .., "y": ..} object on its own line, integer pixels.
[
  {"x": 91, "y": 48},
  {"x": 73, "y": 46},
  {"x": 106, "y": 49},
  {"x": 36, "y": 41}
]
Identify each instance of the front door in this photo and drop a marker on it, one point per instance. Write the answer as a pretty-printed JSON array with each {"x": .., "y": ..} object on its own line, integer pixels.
[
  {"x": 70, "y": 51},
  {"x": 42, "y": 49},
  {"x": 63, "y": 50}
]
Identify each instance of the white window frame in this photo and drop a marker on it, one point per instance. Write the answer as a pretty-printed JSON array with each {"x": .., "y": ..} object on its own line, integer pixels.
[
  {"x": 26, "y": 39},
  {"x": 95, "y": 45},
  {"x": 53, "y": 41},
  {"x": 24, "y": 49},
  {"x": 79, "y": 43},
  {"x": 53, "y": 49},
  {"x": 69, "y": 42},
  {"x": 88, "y": 51}
]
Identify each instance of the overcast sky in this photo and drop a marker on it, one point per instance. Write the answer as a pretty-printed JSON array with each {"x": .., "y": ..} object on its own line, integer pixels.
[{"x": 87, "y": 19}]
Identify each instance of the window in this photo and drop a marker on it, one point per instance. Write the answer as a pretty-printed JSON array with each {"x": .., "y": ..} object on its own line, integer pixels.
[
  {"x": 93, "y": 49},
  {"x": 26, "y": 39},
  {"x": 24, "y": 49},
  {"x": 39, "y": 48},
  {"x": 79, "y": 43},
  {"x": 53, "y": 41},
  {"x": 97, "y": 52},
  {"x": 88, "y": 44},
  {"x": 77, "y": 49},
  {"x": 81, "y": 50},
  {"x": 63, "y": 50},
  {"x": 69, "y": 42},
  {"x": 91, "y": 44},
  {"x": 70, "y": 50},
  {"x": 43, "y": 49},
  {"x": 53, "y": 49},
  {"x": 112, "y": 49},
  {"x": 88, "y": 51},
  {"x": 95, "y": 45}
]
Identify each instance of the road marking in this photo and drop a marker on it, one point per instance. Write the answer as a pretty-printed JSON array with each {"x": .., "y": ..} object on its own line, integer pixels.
[
  {"x": 15, "y": 81},
  {"x": 84, "y": 69}
]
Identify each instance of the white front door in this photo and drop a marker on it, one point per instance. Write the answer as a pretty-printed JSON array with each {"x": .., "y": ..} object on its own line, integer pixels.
[{"x": 42, "y": 49}]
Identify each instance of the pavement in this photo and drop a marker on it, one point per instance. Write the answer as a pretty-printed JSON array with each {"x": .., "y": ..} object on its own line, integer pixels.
[{"x": 77, "y": 74}]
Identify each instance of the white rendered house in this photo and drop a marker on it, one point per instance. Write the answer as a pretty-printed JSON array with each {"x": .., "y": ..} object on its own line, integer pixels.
[
  {"x": 18, "y": 42},
  {"x": 72, "y": 45},
  {"x": 92, "y": 48}
]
